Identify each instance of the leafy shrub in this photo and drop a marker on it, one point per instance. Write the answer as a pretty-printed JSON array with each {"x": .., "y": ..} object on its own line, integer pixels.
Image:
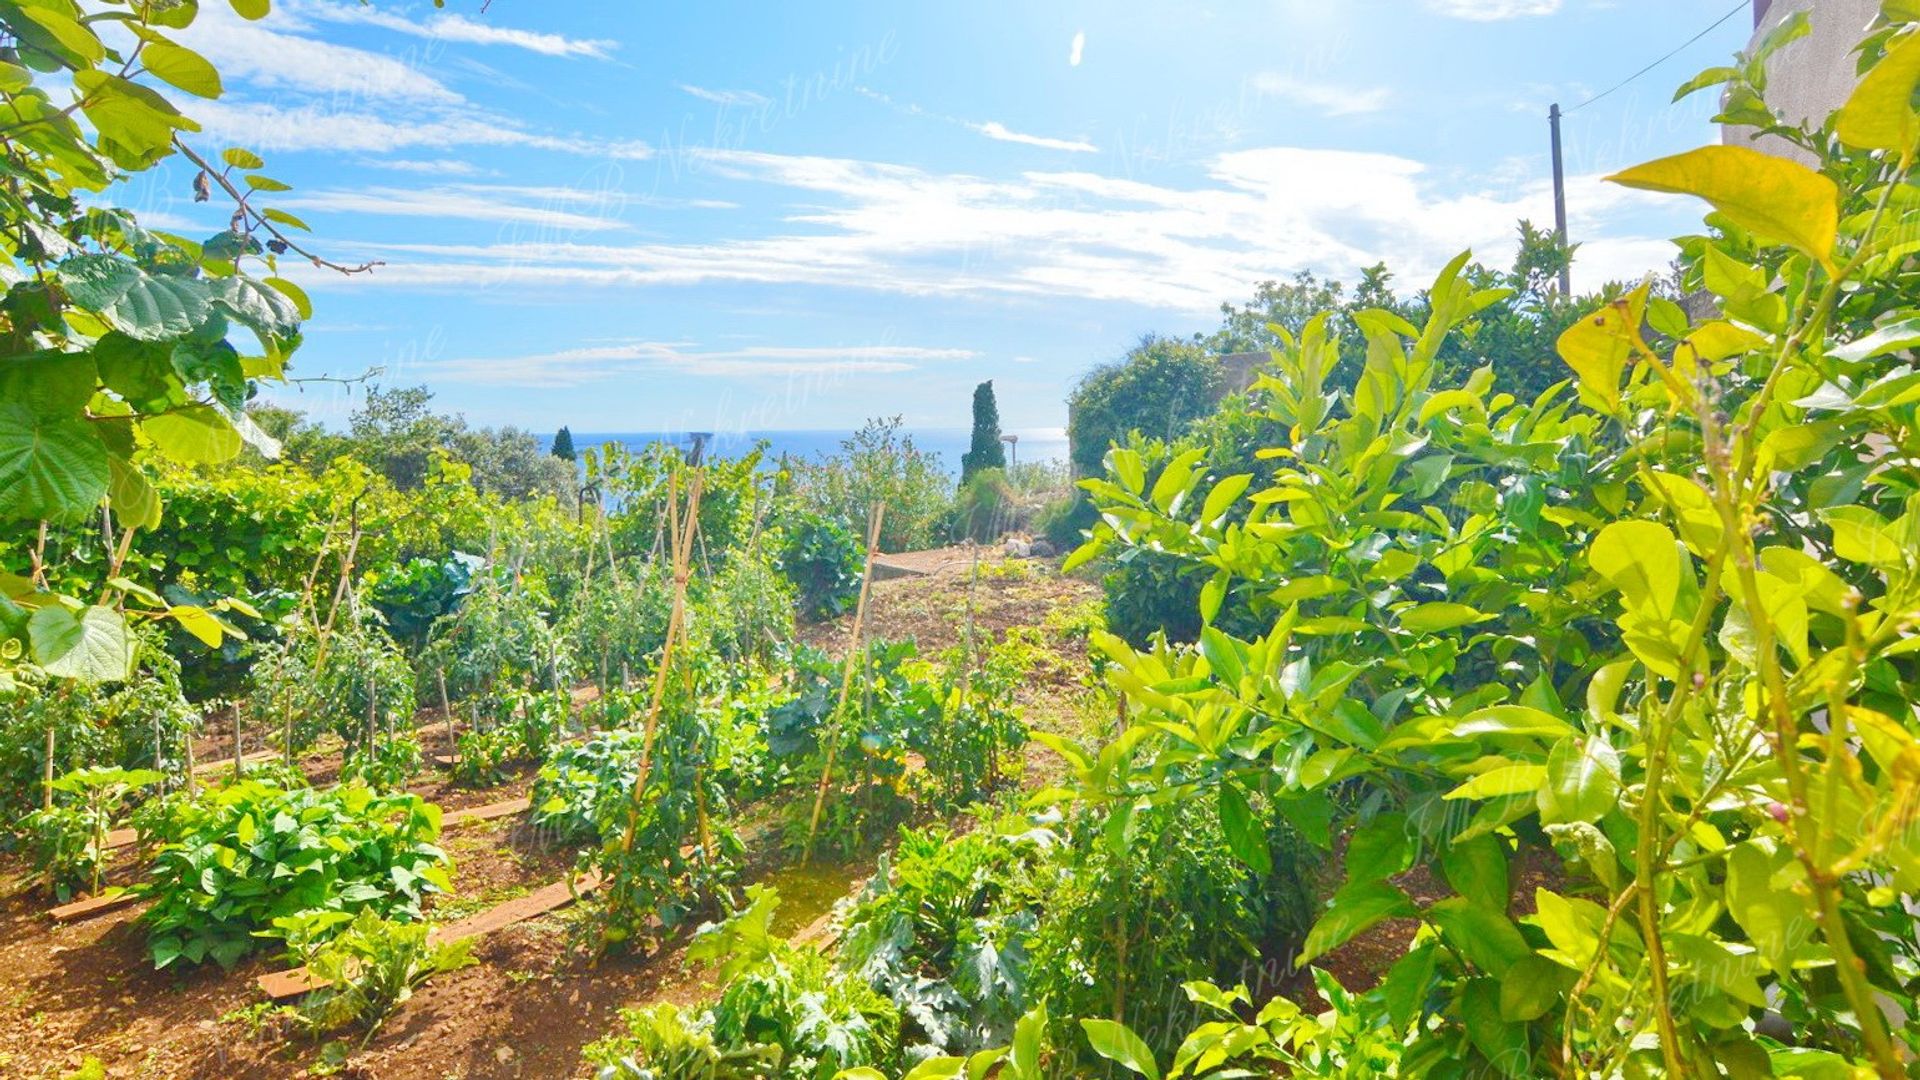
[
  {"x": 742, "y": 611},
  {"x": 239, "y": 857},
  {"x": 824, "y": 561},
  {"x": 144, "y": 722},
  {"x": 879, "y": 464},
  {"x": 367, "y": 966},
  {"x": 584, "y": 789},
  {"x": 1159, "y": 387},
  {"x": 784, "y": 1010},
  {"x": 662, "y": 1043},
  {"x": 985, "y": 507},
  {"x": 414, "y": 594},
  {"x": 68, "y": 840},
  {"x": 942, "y": 928}
]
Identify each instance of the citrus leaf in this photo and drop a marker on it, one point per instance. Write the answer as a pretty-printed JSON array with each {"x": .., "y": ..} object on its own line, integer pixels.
[{"x": 1768, "y": 195}]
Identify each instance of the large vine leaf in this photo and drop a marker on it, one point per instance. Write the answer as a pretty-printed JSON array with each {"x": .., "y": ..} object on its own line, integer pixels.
[
  {"x": 93, "y": 646},
  {"x": 150, "y": 307},
  {"x": 196, "y": 434},
  {"x": 51, "y": 467},
  {"x": 53, "y": 382},
  {"x": 263, "y": 308}
]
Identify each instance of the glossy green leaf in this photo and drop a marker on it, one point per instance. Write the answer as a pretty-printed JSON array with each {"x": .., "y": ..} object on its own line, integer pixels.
[
  {"x": 1118, "y": 1044},
  {"x": 1583, "y": 780},
  {"x": 1353, "y": 911},
  {"x": 1246, "y": 835},
  {"x": 1640, "y": 559},
  {"x": 182, "y": 67}
]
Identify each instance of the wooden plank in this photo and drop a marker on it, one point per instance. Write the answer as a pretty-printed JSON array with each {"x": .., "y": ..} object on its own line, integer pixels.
[
  {"x": 285, "y": 984},
  {"x": 83, "y": 909},
  {"x": 226, "y": 763},
  {"x": 487, "y": 812}
]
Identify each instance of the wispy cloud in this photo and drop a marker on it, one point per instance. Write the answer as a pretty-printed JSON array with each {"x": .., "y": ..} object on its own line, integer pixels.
[
  {"x": 1077, "y": 50},
  {"x": 745, "y": 98},
  {"x": 282, "y": 58},
  {"x": 459, "y": 28},
  {"x": 1493, "y": 10},
  {"x": 1330, "y": 99},
  {"x": 267, "y": 126},
  {"x": 1259, "y": 214},
  {"x": 546, "y": 208},
  {"x": 576, "y": 367},
  {"x": 434, "y": 167},
  {"x": 994, "y": 129}
]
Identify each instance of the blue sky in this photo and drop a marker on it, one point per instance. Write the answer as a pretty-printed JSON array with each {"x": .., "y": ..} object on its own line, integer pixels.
[{"x": 727, "y": 216}]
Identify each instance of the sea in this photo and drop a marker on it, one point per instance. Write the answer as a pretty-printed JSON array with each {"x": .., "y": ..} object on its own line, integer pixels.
[{"x": 948, "y": 445}]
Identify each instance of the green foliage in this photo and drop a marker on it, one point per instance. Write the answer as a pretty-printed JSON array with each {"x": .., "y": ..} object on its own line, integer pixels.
[
  {"x": 562, "y": 447},
  {"x": 419, "y": 592},
  {"x": 784, "y": 1011},
  {"x": 141, "y": 724},
  {"x": 237, "y": 858},
  {"x": 942, "y": 930},
  {"x": 117, "y": 337},
  {"x": 985, "y": 451},
  {"x": 984, "y": 510},
  {"x": 67, "y": 841},
  {"x": 1654, "y": 630},
  {"x": 824, "y": 561},
  {"x": 1157, "y": 389},
  {"x": 879, "y": 464},
  {"x": 368, "y": 966}
]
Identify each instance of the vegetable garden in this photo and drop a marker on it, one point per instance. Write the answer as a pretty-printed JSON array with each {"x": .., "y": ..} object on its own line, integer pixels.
[{"x": 1570, "y": 734}]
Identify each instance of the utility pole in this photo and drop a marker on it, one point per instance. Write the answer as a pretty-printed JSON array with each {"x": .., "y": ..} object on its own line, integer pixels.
[{"x": 1560, "y": 199}]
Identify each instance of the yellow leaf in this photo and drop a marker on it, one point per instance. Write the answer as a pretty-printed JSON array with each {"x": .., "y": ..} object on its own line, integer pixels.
[
  {"x": 199, "y": 622},
  {"x": 1771, "y": 196},
  {"x": 1879, "y": 115},
  {"x": 1598, "y": 347}
]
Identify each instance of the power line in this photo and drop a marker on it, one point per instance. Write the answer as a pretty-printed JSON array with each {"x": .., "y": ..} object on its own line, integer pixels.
[{"x": 1737, "y": 8}]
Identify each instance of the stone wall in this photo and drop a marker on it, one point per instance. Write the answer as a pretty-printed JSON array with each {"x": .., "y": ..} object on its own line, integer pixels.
[{"x": 1813, "y": 76}]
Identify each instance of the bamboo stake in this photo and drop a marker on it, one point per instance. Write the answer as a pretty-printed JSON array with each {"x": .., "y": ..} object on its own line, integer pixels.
[
  {"x": 239, "y": 768},
  {"x": 874, "y": 518},
  {"x": 48, "y": 785},
  {"x": 446, "y": 715},
  {"x": 682, "y": 556}
]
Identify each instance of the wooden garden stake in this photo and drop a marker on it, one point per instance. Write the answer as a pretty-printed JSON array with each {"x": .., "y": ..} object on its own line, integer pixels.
[
  {"x": 48, "y": 785},
  {"x": 874, "y": 517},
  {"x": 446, "y": 714},
  {"x": 239, "y": 768},
  {"x": 682, "y": 557}
]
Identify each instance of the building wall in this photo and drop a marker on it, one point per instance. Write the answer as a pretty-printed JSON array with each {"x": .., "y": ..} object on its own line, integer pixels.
[{"x": 1813, "y": 76}]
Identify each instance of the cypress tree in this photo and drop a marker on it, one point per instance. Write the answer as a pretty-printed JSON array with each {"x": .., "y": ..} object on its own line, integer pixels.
[
  {"x": 987, "y": 451},
  {"x": 563, "y": 445}
]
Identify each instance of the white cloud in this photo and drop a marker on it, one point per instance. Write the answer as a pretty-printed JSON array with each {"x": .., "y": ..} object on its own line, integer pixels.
[
  {"x": 282, "y": 59},
  {"x": 1077, "y": 50},
  {"x": 269, "y": 127},
  {"x": 575, "y": 367},
  {"x": 994, "y": 129},
  {"x": 744, "y": 98},
  {"x": 471, "y": 202},
  {"x": 1493, "y": 10},
  {"x": 1328, "y": 98},
  {"x": 434, "y": 167},
  {"x": 1259, "y": 214},
  {"x": 460, "y": 28}
]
